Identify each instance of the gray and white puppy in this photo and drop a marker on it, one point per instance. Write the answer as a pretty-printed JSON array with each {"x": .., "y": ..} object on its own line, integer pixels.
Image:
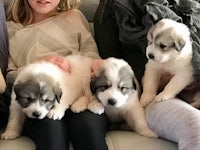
[
  {"x": 34, "y": 93},
  {"x": 37, "y": 95},
  {"x": 169, "y": 54},
  {"x": 116, "y": 87},
  {"x": 43, "y": 89}
]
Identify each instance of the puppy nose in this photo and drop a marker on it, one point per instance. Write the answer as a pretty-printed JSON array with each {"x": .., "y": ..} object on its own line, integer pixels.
[
  {"x": 151, "y": 56},
  {"x": 36, "y": 114},
  {"x": 111, "y": 101}
]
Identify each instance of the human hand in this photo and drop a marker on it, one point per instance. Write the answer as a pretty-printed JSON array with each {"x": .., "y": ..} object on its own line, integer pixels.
[
  {"x": 95, "y": 65},
  {"x": 61, "y": 62}
]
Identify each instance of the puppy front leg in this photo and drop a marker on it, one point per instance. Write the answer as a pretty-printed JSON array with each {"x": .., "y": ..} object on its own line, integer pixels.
[
  {"x": 80, "y": 104},
  {"x": 177, "y": 83},
  {"x": 137, "y": 122},
  {"x": 150, "y": 83},
  {"x": 94, "y": 105},
  {"x": 15, "y": 122},
  {"x": 58, "y": 111}
]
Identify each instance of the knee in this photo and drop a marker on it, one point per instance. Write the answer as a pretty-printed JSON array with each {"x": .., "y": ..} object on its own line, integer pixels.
[{"x": 190, "y": 138}]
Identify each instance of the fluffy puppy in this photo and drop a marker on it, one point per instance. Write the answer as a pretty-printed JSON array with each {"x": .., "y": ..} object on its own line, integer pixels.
[
  {"x": 43, "y": 89},
  {"x": 2, "y": 83},
  {"x": 169, "y": 54},
  {"x": 115, "y": 86}
]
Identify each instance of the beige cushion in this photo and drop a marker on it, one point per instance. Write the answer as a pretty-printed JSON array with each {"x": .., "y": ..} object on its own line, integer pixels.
[{"x": 116, "y": 140}]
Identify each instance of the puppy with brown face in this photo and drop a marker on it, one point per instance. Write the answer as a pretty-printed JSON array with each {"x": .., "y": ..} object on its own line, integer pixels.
[
  {"x": 169, "y": 54},
  {"x": 116, "y": 87}
]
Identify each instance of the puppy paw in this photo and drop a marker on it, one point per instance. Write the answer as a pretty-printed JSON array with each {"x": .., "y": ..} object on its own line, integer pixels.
[
  {"x": 147, "y": 133},
  {"x": 80, "y": 105},
  {"x": 9, "y": 135},
  {"x": 162, "y": 97},
  {"x": 56, "y": 114},
  {"x": 145, "y": 99},
  {"x": 96, "y": 107}
]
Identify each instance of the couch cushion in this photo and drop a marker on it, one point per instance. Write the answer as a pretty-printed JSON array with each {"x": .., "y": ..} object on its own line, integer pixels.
[
  {"x": 116, "y": 140},
  {"x": 125, "y": 140},
  {"x": 22, "y": 143}
]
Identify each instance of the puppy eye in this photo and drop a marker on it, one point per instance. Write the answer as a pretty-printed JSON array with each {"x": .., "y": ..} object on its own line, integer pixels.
[
  {"x": 103, "y": 87},
  {"x": 162, "y": 46},
  {"x": 29, "y": 99},
  {"x": 149, "y": 42},
  {"x": 124, "y": 89},
  {"x": 46, "y": 100}
]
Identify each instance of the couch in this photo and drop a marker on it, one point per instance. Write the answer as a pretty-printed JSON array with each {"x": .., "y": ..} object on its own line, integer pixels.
[{"x": 116, "y": 140}]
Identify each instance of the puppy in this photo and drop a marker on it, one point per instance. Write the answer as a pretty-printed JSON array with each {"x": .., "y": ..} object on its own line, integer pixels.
[
  {"x": 169, "y": 54},
  {"x": 2, "y": 83},
  {"x": 43, "y": 89},
  {"x": 115, "y": 86}
]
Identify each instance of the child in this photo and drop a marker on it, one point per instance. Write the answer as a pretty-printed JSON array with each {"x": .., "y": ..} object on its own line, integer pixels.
[{"x": 43, "y": 28}]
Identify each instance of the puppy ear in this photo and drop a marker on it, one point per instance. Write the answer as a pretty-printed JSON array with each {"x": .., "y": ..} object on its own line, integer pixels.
[
  {"x": 58, "y": 93},
  {"x": 150, "y": 33},
  {"x": 136, "y": 85},
  {"x": 93, "y": 85},
  {"x": 179, "y": 42},
  {"x": 16, "y": 89},
  {"x": 95, "y": 65}
]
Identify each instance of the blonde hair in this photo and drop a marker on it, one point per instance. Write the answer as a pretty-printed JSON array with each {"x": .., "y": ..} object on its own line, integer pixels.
[{"x": 19, "y": 11}]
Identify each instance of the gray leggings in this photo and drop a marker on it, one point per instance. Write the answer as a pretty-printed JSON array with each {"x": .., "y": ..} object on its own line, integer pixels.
[{"x": 176, "y": 121}]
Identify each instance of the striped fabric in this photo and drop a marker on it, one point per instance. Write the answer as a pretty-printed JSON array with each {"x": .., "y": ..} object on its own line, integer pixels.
[{"x": 63, "y": 34}]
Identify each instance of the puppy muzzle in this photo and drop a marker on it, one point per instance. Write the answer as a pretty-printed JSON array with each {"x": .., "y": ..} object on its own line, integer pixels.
[
  {"x": 150, "y": 56},
  {"x": 112, "y": 101},
  {"x": 36, "y": 114}
]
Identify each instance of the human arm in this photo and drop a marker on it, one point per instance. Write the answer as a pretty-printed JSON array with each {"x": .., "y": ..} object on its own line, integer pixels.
[
  {"x": 87, "y": 43},
  {"x": 12, "y": 72},
  {"x": 3, "y": 40}
]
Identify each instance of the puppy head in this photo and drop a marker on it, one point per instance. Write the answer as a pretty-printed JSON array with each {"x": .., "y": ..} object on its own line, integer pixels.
[
  {"x": 167, "y": 39},
  {"x": 113, "y": 82},
  {"x": 37, "y": 95}
]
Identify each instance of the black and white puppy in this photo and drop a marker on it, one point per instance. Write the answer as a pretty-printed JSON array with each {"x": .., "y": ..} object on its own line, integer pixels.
[{"x": 116, "y": 87}]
